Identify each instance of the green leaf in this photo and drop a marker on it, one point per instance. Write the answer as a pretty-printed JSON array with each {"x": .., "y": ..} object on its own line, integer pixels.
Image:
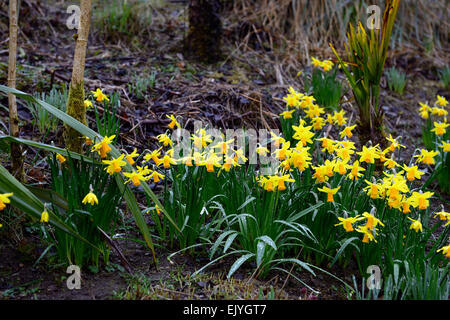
[
  {"x": 219, "y": 241},
  {"x": 26, "y": 201},
  {"x": 237, "y": 264},
  {"x": 260, "y": 249},
  {"x": 342, "y": 248},
  {"x": 268, "y": 241}
]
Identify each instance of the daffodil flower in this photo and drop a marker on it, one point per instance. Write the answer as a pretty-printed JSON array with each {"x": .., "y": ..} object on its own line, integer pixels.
[
  {"x": 90, "y": 198},
  {"x": 135, "y": 177},
  {"x": 44, "y": 216},
  {"x": 4, "y": 199},
  {"x": 347, "y": 223},
  {"x": 439, "y": 128},
  {"x": 426, "y": 157},
  {"x": 99, "y": 95},
  {"x": 287, "y": 114},
  {"x": 416, "y": 225},
  {"x": 173, "y": 122},
  {"x": 87, "y": 104},
  {"x": 441, "y": 101},
  {"x": 330, "y": 192},
  {"x": 130, "y": 157},
  {"x": 115, "y": 165},
  {"x": 347, "y": 132},
  {"x": 103, "y": 146},
  {"x": 60, "y": 158},
  {"x": 445, "y": 251}
]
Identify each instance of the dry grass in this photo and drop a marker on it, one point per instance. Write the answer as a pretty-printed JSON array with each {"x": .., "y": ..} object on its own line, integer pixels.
[{"x": 319, "y": 21}]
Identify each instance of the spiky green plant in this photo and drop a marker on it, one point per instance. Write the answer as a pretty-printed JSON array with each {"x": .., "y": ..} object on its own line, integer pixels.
[{"x": 366, "y": 56}]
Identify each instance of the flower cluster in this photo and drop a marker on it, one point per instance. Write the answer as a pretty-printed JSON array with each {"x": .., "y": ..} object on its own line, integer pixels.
[{"x": 326, "y": 65}]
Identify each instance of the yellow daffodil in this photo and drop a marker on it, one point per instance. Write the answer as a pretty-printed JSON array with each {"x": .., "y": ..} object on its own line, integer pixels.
[
  {"x": 390, "y": 163},
  {"x": 287, "y": 114},
  {"x": 330, "y": 192},
  {"x": 291, "y": 100},
  {"x": 416, "y": 225},
  {"x": 341, "y": 166},
  {"x": 281, "y": 153},
  {"x": 424, "y": 110},
  {"x": 130, "y": 157},
  {"x": 87, "y": 104},
  {"x": 115, "y": 165},
  {"x": 315, "y": 62},
  {"x": 369, "y": 154},
  {"x": 164, "y": 139},
  {"x": 347, "y": 132},
  {"x": 88, "y": 141},
  {"x": 228, "y": 163},
  {"x": 167, "y": 161},
  {"x": 373, "y": 190},
  {"x": 439, "y": 128},
  {"x": 354, "y": 173},
  {"x": 406, "y": 203},
  {"x": 445, "y": 146},
  {"x": 44, "y": 216},
  {"x": 318, "y": 123},
  {"x": 339, "y": 118},
  {"x": 223, "y": 146},
  {"x": 60, "y": 158},
  {"x": 135, "y": 177},
  {"x": 441, "y": 101},
  {"x": 281, "y": 180},
  {"x": 277, "y": 140},
  {"x": 419, "y": 199},
  {"x": 372, "y": 221},
  {"x": 211, "y": 161},
  {"x": 426, "y": 157},
  {"x": 347, "y": 223},
  {"x": 300, "y": 158},
  {"x": 327, "y": 144},
  {"x": 103, "y": 146},
  {"x": 173, "y": 121},
  {"x": 90, "y": 198},
  {"x": 307, "y": 101},
  {"x": 327, "y": 65},
  {"x": 262, "y": 151},
  {"x": 154, "y": 156},
  {"x": 320, "y": 174},
  {"x": 302, "y": 133},
  {"x": 4, "y": 199},
  {"x": 440, "y": 112},
  {"x": 412, "y": 173},
  {"x": 239, "y": 156},
  {"x": 368, "y": 235},
  {"x": 445, "y": 251},
  {"x": 394, "y": 144},
  {"x": 156, "y": 176},
  {"x": 99, "y": 95},
  {"x": 201, "y": 140},
  {"x": 443, "y": 215}
]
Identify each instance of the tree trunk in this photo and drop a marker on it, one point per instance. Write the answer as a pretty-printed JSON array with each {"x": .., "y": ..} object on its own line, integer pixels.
[
  {"x": 205, "y": 31},
  {"x": 16, "y": 150},
  {"x": 75, "y": 101}
]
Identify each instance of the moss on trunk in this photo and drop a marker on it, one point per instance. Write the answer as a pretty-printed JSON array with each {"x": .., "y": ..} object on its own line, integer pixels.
[{"x": 77, "y": 110}]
